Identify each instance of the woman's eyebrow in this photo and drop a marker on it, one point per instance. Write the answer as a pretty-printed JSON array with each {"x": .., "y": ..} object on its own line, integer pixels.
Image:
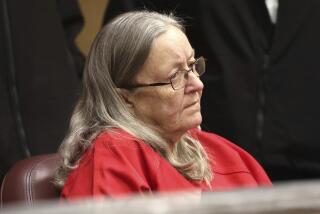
[
  {"x": 181, "y": 62},
  {"x": 191, "y": 54}
]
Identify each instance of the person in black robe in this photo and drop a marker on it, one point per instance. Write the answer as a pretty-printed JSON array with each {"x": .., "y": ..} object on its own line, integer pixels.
[
  {"x": 40, "y": 76},
  {"x": 262, "y": 77}
]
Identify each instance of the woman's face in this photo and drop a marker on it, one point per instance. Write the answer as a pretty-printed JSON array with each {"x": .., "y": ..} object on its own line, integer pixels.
[{"x": 171, "y": 111}]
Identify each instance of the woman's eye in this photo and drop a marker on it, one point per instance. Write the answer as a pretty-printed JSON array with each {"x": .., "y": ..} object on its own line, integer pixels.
[{"x": 174, "y": 76}]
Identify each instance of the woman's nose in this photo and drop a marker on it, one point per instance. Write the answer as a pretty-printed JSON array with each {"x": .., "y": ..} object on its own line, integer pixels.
[{"x": 194, "y": 83}]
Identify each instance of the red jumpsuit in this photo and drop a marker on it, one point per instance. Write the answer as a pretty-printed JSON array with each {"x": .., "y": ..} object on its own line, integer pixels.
[{"x": 118, "y": 164}]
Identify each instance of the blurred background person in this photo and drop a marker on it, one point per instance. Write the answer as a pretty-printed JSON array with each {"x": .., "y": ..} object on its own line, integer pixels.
[
  {"x": 40, "y": 75},
  {"x": 262, "y": 75}
]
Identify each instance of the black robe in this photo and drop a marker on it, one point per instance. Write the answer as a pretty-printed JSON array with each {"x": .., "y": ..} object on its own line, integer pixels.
[
  {"x": 262, "y": 79},
  {"x": 40, "y": 70}
]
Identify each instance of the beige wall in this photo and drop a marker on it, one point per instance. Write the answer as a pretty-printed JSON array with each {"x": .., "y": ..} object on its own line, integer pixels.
[{"x": 92, "y": 11}]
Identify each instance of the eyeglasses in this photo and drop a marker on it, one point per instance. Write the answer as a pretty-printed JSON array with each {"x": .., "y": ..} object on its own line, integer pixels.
[{"x": 179, "y": 79}]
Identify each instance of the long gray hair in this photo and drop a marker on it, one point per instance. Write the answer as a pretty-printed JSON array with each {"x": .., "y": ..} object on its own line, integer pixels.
[{"x": 116, "y": 56}]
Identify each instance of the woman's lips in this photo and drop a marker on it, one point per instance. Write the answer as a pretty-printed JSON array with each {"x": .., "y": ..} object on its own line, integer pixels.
[{"x": 192, "y": 104}]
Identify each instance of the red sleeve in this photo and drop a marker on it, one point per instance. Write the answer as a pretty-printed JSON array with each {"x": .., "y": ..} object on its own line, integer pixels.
[{"x": 115, "y": 166}]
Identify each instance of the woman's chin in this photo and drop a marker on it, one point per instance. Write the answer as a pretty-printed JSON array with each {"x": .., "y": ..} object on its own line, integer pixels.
[{"x": 195, "y": 121}]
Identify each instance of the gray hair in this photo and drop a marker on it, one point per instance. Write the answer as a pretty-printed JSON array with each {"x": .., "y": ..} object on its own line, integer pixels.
[{"x": 116, "y": 56}]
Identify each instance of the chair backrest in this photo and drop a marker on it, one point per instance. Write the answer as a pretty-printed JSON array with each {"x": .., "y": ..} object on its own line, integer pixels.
[{"x": 30, "y": 180}]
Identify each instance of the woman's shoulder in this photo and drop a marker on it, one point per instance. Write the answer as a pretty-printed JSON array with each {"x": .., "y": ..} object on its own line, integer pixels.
[
  {"x": 214, "y": 141},
  {"x": 227, "y": 156},
  {"x": 229, "y": 160},
  {"x": 119, "y": 141},
  {"x": 115, "y": 162}
]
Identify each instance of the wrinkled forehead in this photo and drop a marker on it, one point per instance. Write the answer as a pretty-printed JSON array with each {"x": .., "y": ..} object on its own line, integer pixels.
[{"x": 170, "y": 50}]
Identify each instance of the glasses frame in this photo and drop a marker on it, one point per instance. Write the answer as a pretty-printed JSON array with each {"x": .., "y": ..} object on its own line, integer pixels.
[{"x": 186, "y": 75}]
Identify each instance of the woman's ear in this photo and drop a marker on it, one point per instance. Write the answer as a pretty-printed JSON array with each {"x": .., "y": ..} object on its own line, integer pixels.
[{"x": 126, "y": 95}]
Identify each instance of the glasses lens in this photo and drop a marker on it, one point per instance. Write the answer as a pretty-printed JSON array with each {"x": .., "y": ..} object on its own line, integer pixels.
[
  {"x": 178, "y": 80},
  {"x": 200, "y": 66}
]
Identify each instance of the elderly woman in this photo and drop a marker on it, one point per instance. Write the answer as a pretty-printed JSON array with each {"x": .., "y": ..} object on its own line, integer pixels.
[{"x": 135, "y": 128}]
